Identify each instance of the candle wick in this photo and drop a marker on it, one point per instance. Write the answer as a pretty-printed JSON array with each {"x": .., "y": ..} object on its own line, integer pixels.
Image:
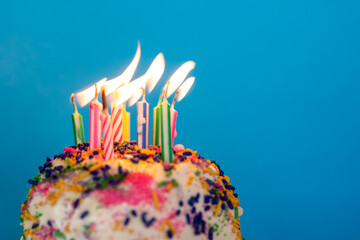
[
  {"x": 161, "y": 97},
  {"x": 143, "y": 93},
  {"x": 73, "y": 101},
  {"x": 105, "y": 107},
  {"x": 173, "y": 102}
]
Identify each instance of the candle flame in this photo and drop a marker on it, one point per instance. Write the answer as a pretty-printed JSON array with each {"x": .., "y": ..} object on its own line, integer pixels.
[
  {"x": 185, "y": 87},
  {"x": 179, "y": 76},
  {"x": 126, "y": 76},
  {"x": 155, "y": 71},
  {"x": 88, "y": 94},
  {"x": 125, "y": 92},
  {"x": 150, "y": 78}
]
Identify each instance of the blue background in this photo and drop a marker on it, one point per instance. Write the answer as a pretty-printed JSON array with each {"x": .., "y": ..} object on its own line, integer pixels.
[{"x": 275, "y": 101}]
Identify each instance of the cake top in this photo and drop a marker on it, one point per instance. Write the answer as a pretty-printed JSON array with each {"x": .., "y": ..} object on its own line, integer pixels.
[{"x": 85, "y": 172}]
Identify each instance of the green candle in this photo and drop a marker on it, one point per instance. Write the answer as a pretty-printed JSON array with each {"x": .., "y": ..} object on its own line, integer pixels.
[
  {"x": 77, "y": 124},
  {"x": 157, "y": 123},
  {"x": 166, "y": 145}
]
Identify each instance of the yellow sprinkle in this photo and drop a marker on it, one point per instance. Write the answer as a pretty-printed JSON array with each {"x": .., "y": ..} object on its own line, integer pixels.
[
  {"x": 131, "y": 231},
  {"x": 218, "y": 208},
  {"x": 95, "y": 167},
  {"x": 117, "y": 224},
  {"x": 172, "y": 229},
  {"x": 233, "y": 230},
  {"x": 156, "y": 200},
  {"x": 147, "y": 152},
  {"x": 204, "y": 184},
  {"x": 67, "y": 229},
  {"x": 81, "y": 176}
]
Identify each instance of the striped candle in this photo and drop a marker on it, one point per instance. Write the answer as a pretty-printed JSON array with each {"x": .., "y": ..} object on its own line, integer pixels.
[
  {"x": 166, "y": 145},
  {"x": 95, "y": 128},
  {"x": 117, "y": 122},
  {"x": 78, "y": 126},
  {"x": 157, "y": 123},
  {"x": 107, "y": 130},
  {"x": 143, "y": 123}
]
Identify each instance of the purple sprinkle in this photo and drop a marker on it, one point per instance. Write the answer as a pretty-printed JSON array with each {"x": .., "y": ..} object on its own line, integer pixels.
[
  {"x": 230, "y": 204},
  {"x": 210, "y": 182},
  {"x": 223, "y": 206},
  {"x": 95, "y": 152},
  {"x": 197, "y": 197},
  {"x": 134, "y": 213},
  {"x": 207, "y": 198},
  {"x": 114, "y": 181},
  {"x": 181, "y": 203},
  {"x": 207, "y": 208},
  {"x": 49, "y": 223},
  {"x": 193, "y": 210},
  {"x": 177, "y": 212},
  {"x": 210, "y": 234},
  {"x": 127, "y": 220},
  {"x": 169, "y": 233},
  {"x": 188, "y": 218},
  {"x": 187, "y": 153},
  {"x": 76, "y": 203},
  {"x": 33, "y": 182},
  {"x": 214, "y": 200},
  {"x": 35, "y": 225},
  {"x": 191, "y": 201},
  {"x": 59, "y": 168},
  {"x": 91, "y": 157},
  {"x": 230, "y": 187},
  {"x": 84, "y": 214}
]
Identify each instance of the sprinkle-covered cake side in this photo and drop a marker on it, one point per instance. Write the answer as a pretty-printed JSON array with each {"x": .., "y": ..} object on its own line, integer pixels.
[{"x": 78, "y": 195}]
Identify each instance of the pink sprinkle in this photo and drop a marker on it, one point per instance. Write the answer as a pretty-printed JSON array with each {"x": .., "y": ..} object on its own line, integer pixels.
[
  {"x": 70, "y": 150},
  {"x": 179, "y": 147},
  {"x": 138, "y": 188}
]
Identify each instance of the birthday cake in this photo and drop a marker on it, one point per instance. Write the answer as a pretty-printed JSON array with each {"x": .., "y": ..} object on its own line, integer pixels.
[{"x": 79, "y": 195}]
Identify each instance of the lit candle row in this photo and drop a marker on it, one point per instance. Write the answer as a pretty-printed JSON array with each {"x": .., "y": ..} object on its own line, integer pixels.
[{"x": 116, "y": 127}]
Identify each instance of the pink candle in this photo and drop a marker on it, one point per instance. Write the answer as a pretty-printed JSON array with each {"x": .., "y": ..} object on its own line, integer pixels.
[
  {"x": 117, "y": 122},
  {"x": 107, "y": 130},
  {"x": 173, "y": 117},
  {"x": 95, "y": 130}
]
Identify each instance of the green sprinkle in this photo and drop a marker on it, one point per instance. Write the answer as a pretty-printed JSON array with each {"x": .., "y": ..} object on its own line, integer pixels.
[
  {"x": 59, "y": 235},
  {"x": 215, "y": 227},
  {"x": 175, "y": 183},
  {"x": 161, "y": 184},
  {"x": 37, "y": 215},
  {"x": 87, "y": 229},
  {"x": 37, "y": 178},
  {"x": 236, "y": 213},
  {"x": 168, "y": 174},
  {"x": 197, "y": 173},
  {"x": 90, "y": 165},
  {"x": 216, "y": 190}
]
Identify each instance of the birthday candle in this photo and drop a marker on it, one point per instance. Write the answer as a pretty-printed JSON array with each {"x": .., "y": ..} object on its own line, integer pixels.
[
  {"x": 107, "y": 129},
  {"x": 126, "y": 127},
  {"x": 173, "y": 118},
  {"x": 142, "y": 123},
  {"x": 78, "y": 126},
  {"x": 157, "y": 123},
  {"x": 95, "y": 128},
  {"x": 166, "y": 145},
  {"x": 117, "y": 120}
]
